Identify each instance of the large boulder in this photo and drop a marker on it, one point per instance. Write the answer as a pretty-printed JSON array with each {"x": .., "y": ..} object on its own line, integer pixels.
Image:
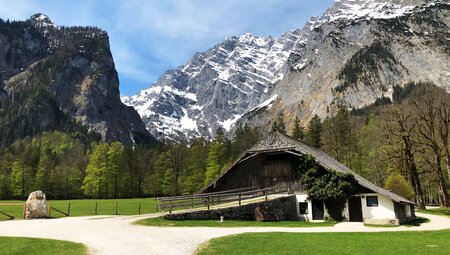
[{"x": 36, "y": 206}]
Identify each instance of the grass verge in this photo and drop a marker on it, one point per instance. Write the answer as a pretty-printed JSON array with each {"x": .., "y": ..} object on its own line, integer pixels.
[
  {"x": 382, "y": 243},
  {"x": 85, "y": 207},
  {"x": 161, "y": 222},
  {"x": 437, "y": 211},
  {"x": 38, "y": 246}
]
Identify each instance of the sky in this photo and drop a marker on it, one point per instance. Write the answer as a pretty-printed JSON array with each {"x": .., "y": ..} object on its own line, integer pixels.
[{"x": 149, "y": 37}]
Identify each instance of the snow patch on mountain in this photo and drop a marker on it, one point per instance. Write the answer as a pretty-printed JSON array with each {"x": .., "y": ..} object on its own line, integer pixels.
[{"x": 215, "y": 88}]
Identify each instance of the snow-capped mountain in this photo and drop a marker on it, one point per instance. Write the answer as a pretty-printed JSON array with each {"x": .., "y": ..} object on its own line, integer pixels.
[
  {"x": 353, "y": 54},
  {"x": 215, "y": 87}
]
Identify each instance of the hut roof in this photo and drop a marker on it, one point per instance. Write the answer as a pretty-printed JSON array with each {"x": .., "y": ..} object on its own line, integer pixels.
[{"x": 276, "y": 141}]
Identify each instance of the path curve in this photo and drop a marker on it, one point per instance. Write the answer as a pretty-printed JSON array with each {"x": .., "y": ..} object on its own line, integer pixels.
[{"x": 117, "y": 235}]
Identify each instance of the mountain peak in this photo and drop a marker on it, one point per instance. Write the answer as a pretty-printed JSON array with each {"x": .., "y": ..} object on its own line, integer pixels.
[
  {"x": 41, "y": 20},
  {"x": 371, "y": 9}
]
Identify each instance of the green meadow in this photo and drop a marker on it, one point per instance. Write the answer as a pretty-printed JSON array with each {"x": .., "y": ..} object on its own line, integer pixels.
[{"x": 85, "y": 207}]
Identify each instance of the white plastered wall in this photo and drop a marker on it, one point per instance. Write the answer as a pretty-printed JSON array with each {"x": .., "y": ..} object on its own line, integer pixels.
[
  {"x": 308, "y": 216},
  {"x": 384, "y": 210},
  {"x": 304, "y": 198}
]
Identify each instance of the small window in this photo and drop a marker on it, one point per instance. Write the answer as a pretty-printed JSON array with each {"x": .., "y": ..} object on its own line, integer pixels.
[
  {"x": 303, "y": 207},
  {"x": 372, "y": 201}
]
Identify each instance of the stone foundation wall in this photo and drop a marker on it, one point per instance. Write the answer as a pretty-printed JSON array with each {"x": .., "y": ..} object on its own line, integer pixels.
[
  {"x": 381, "y": 221},
  {"x": 389, "y": 221},
  {"x": 285, "y": 208}
]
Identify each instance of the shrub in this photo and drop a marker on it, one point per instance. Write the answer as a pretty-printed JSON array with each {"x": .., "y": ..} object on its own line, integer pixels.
[{"x": 334, "y": 188}]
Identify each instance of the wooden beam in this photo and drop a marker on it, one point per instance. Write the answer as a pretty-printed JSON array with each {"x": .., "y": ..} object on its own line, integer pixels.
[{"x": 294, "y": 153}]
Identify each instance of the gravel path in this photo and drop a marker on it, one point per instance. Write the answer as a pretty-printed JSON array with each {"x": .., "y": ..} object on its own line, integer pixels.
[{"x": 117, "y": 235}]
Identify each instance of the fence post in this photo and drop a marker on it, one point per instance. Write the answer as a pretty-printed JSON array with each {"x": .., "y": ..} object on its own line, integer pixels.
[
  {"x": 117, "y": 203},
  {"x": 139, "y": 211},
  {"x": 25, "y": 210},
  {"x": 96, "y": 208},
  {"x": 265, "y": 192},
  {"x": 68, "y": 210},
  {"x": 49, "y": 209},
  {"x": 207, "y": 202}
]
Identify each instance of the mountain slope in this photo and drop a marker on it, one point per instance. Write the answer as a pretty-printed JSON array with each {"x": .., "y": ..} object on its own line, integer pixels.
[
  {"x": 215, "y": 87},
  {"x": 58, "y": 78},
  {"x": 353, "y": 54},
  {"x": 351, "y": 60}
]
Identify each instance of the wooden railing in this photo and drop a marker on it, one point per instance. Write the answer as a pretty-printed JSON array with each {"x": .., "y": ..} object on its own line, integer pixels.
[{"x": 215, "y": 198}]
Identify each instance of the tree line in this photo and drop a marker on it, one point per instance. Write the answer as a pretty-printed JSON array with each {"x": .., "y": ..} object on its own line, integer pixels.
[
  {"x": 402, "y": 145},
  {"x": 66, "y": 167}
]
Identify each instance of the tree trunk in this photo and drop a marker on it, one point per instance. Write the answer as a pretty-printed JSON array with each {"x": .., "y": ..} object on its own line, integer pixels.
[
  {"x": 443, "y": 194},
  {"x": 447, "y": 159},
  {"x": 412, "y": 169}
]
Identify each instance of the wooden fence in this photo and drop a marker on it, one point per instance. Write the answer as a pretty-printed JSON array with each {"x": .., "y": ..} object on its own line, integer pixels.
[
  {"x": 10, "y": 217},
  {"x": 215, "y": 198}
]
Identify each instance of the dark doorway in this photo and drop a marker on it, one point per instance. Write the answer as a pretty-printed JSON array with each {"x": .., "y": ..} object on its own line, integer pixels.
[
  {"x": 317, "y": 209},
  {"x": 355, "y": 209}
]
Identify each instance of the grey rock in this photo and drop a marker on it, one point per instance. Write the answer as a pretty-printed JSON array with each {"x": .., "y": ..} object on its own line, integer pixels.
[{"x": 36, "y": 206}]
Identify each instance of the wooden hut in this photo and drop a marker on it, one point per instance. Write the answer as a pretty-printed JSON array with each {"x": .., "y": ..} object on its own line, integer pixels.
[{"x": 274, "y": 160}]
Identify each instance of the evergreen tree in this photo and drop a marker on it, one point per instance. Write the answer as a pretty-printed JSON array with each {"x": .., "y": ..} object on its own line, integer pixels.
[
  {"x": 279, "y": 125},
  {"x": 244, "y": 138},
  {"x": 314, "y": 133},
  {"x": 337, "y": 139},
  {"x": 298, "y": 131}
]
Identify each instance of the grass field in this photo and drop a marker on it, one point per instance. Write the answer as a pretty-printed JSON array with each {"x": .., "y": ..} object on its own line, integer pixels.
[
  {"x": 383, "y": 243},
  {"x": 438, "y": 211},
  {"x": 160, "y": 222},
  {"x": 37, "y": 246},
  {"x": 85, "y": 207}
]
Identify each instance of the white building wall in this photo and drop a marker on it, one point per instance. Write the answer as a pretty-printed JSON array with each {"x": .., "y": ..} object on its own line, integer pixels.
[
  {"x": 304, "y": 198},
  {"x": 383, "y": 213}
]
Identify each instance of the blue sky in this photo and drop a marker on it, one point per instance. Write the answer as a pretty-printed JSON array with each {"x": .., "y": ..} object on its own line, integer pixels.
[{"x": 153, "y": 36}]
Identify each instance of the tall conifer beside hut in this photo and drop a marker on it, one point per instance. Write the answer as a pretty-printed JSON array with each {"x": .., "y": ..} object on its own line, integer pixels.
[{"x": 274, "y": 161}]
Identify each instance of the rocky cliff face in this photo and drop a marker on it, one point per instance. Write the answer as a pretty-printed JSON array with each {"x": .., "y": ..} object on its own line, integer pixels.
[
  {"x": 215, "y": 87},
  {"x": 357, "y": 52},
  {"x": 55, "y": 77},
  {"x": 352, "y": 55}
]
